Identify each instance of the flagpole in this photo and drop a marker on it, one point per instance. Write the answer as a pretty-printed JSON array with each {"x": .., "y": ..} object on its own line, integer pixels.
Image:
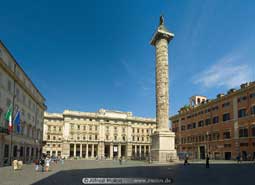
[{"x": 13, "y": 104}]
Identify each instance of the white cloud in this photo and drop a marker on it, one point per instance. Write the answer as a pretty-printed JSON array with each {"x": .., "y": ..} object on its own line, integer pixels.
[{"x": 229, "y": 71}]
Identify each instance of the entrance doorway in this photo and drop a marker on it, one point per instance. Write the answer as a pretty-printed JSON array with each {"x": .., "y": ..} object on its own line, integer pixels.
[
  {"x": 202, "y": 152},
  {"x": 227, "y": 155},
  {"x": 244, "y": 155},
  {"x": 115, "y": 151},
  {"x": 107, "y": 151},
  {"x": 123, "y": 150}
]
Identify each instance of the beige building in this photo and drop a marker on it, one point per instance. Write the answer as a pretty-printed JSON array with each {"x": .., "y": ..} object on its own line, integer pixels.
[
  {"x": 101, "y": 134},
  {"x": 17, "y": 89}
]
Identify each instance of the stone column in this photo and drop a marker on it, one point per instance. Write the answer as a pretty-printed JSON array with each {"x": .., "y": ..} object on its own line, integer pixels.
[
  {"x": 92, "y": 152},
  {"x": 87, "y": 150},
  {"x": 119, "y": 150},
  {"x": 163, "y": 149},
  {"x": 74, "y": 150},
  {"x": 111, "y": 151},
  {"x": 81, "y": 150},
  {"x": 140, "y": 151}
]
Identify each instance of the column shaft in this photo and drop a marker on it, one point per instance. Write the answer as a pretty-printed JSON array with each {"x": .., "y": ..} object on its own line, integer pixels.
[
  {"x": 162, "y": 94},
  {"x": 87, "y": 150}
]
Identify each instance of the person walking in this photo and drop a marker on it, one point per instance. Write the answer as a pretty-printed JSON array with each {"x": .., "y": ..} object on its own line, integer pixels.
[
  {"x": 207, "y": 161},
  {"x": 238, "y": 158},
  {"x": 42, "y": 163},
  {"x": 47, "y": 163},
  {"x": 186, "y": 160},
  {"x": 36, "y": 164},
  {"x": 120, "y": 160}
]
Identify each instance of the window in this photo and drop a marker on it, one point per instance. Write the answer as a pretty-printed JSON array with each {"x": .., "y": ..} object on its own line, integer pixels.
[
  {"x": 201, "y": 123},
  {"x": 243, "y": 98},
  {"x": 227, "y": 145},
  {"x": 183, "y": 127},
  {"x": 115, "y": 138},
  {"x": 123, "y": 129},
  {"x": 78, "y": 127},
  {"x": 244, "y": 144},
  {"x": 241, "y": 113},
  {"x": 194, "y": 125},
  {"x": 216, "y": 136},
  {"x": 6, "y": 150},
  {"x": 54, "y": 138},
  {"x": 253, "y": 109},
  {"x": 90, "y": 127},
  {"x": 226, "y": 117},
  {"x": 226, "y": 104},
  {"x": 253, "y": 131},
  {"x": 243, "y": 132},
  {"x": 226, "y": 135},
  {"x": 190, "y": 126},
  {"x": 9, "y": 86},
  {"x": 252, "y": 95},
  {"x": 208, "y": 121},
  {"x": 48, "y": 137},
  {"x": 84, "y": 127},
  {"x": 123, "y": 138},
  {"x": 95, "y": 137},
  {"x": 133, "y": 130},
  {"x": 215, "y": 119}
]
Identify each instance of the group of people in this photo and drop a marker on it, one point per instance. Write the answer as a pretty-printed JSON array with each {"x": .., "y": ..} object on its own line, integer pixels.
[
  {"x": 207, "y": 159},
  {"x": 46, "y": 161}
]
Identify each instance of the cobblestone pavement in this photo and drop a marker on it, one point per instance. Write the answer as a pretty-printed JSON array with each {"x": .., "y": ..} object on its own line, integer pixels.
[{"x": 72, "y": 173}]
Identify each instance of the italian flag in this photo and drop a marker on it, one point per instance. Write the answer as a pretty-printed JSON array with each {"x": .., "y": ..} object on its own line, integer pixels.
[{"x": 8, "y": 117}]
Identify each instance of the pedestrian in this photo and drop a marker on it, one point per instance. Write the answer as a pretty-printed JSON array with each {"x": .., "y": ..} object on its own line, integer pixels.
[
  {"x": 186, "y": 160},
  {"x": 42, "y": 163},
  {"x": 62, "y": 160},
  {"x": 238, "y": 158},
  {"x": 120, "y": 160},
  {"x": 47, "y": 163},
  {"x": 36, "y": 164},
  {"x": 207, "y": 161},
  {"x": 15, "y": 164}
]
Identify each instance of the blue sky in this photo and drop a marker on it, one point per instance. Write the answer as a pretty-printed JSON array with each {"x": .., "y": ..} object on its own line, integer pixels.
[{"x": 87, "y": 55}]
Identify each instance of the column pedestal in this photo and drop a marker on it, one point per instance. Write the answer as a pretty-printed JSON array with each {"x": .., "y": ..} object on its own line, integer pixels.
[{"x": 162, "y": 149}]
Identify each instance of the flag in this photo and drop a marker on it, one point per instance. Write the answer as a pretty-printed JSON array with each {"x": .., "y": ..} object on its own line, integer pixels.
[
  {"x": 8, "y": 117},
  {"x": 17, "y": 121}
]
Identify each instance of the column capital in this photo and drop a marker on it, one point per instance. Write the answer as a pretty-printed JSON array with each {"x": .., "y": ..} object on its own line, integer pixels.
[{"x": 161, "y": 33}]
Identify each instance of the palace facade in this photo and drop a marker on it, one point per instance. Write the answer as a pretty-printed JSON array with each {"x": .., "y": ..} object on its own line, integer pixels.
[
  {"x": 223, "y": 127},
  {"x": 102, "y": 134},
  {"x": 17, "y": 90}
]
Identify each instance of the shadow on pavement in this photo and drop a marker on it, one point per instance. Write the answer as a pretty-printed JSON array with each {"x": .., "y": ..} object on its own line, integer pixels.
[{"x": 218, "y": 174}]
